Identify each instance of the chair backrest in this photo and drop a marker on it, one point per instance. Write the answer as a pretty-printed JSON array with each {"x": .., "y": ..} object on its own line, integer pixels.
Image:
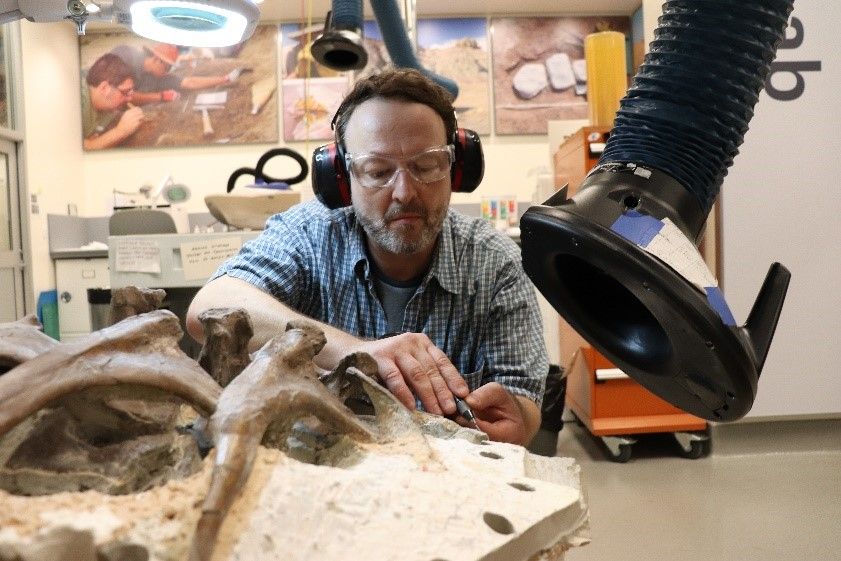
[{"x": 141, "y": 221}]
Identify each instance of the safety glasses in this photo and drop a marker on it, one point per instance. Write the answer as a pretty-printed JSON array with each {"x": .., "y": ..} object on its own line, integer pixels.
[
  {"x": 125, "y": 91},
  {"x": 374, "y": 171}
]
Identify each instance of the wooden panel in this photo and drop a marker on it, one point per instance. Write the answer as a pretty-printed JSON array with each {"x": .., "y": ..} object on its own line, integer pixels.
[{"x": 574, "y": 159}]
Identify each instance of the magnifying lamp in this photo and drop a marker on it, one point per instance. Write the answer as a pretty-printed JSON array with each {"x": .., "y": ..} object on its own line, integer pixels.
[
  {"x": 172, "y": 192},
  {"x": 197, "y": 23}
]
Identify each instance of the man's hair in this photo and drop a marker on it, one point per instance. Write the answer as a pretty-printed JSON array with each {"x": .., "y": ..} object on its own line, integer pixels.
[
  {"x": 108, "y": 68},
  {"x": 401, "y": 84}
]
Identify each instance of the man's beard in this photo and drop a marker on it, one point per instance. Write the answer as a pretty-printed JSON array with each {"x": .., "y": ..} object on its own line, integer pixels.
[{"x": 395, "y": 240}]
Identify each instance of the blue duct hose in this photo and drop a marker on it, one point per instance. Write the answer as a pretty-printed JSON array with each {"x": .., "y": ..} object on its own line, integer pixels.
[
  {"x": 397, "y": 42},
  {"x": 687, "y": 110},
  {"x": 347, "y": 14}
]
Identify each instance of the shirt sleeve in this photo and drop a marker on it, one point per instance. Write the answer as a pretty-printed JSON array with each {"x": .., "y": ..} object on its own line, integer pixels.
[
  {"x": 515, "y": 350},
  {"x": 280, "y": 262}
]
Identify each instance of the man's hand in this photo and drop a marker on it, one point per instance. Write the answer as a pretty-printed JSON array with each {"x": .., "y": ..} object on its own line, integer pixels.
[
  {"x": 170, "y": 95},
  {"x": 498, "y": 414},
  {"x": 233, "y": 75},
  {"x": 130, "y": 121},
  {"x": 411, "y": 365}
]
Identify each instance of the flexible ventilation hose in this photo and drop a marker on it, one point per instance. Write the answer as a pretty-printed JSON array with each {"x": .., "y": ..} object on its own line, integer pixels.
[
  {"x": 687, "y": 110},
  {"x": 397, "y": 42},
  {"x": 347, "y": 14}
]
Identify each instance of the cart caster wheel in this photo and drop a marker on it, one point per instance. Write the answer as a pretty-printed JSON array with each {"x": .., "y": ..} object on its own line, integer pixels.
[
  {"x": 623, "y": 455},
  {"x": 619, "y": 448},
  {"x": 697, "y": 449},
  {"x": 693, "y": 445}
]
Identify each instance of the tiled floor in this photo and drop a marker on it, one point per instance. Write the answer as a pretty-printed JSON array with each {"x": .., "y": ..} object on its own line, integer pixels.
[{"x": 763, "y": 494}]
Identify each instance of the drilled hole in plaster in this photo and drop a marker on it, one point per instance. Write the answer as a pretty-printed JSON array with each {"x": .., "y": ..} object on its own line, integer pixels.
[
  {"x": 498, "y": 523},
  {"x": 492, "y": 455},
  {"x": 521, "y": 486}
]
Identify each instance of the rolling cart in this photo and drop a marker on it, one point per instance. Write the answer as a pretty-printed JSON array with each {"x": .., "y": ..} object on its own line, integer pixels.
[{"x": 614, "y": 408}]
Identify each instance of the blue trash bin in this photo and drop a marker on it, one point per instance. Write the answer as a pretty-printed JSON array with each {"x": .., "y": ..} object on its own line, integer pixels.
[{"x": 48, "y": 312}]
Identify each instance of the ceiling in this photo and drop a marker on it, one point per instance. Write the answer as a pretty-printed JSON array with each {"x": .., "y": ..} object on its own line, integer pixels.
[{"x": 295, "y": 10}]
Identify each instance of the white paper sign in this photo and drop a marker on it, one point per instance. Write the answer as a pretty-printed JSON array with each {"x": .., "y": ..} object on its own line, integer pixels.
[
  {"x": 137, "y": 256},
  {"x": 201, "y": 259}
]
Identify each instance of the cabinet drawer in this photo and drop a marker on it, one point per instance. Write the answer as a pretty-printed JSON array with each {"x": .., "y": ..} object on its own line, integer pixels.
[{"x": 73, "y": 279}]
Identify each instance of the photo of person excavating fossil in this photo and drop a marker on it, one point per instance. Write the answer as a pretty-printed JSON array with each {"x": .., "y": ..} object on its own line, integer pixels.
[
  {"x": 311, "y": 92},
  {"x": 139, "y": 93}
]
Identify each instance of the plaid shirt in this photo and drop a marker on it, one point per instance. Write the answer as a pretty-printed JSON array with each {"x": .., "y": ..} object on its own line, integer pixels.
[{"x": 475, "y": 302}]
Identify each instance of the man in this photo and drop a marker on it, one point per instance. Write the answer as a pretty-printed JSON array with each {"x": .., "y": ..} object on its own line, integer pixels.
[
  {"x": 108, "y": 88},
  {"x": 398, "y": 260},
  {"x": 154, "y": 83}
]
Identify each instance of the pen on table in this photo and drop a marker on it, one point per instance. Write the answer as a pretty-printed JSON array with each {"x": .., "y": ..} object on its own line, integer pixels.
[{"x": 465, "y": 411}]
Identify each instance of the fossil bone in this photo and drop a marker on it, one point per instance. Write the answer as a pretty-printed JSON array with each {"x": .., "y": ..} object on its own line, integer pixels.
[
  {"x": 344, "y": 386},
  {"x": 279, "y": 386},
  {"x": 22, "y": 340},
  {"x": 131, "y": 301},
  {"x": 227, "y": 332},
  {"x": 140, "y": 350}
]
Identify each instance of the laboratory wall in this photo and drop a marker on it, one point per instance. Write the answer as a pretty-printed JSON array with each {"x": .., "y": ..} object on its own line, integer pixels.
[
  {"x": 780, "y": 202},
  {"x": 53, "y": 158}
]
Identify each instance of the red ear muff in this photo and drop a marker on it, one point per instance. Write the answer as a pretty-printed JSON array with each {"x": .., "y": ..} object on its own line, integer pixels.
[
  {"x": 329, "y": 176},
  {"x": 469, "y": 165}
]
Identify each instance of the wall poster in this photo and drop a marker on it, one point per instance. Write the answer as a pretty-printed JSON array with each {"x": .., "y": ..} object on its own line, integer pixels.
[
  {"x": 539, "y": 69},
  {"x": 458, "y": 49},
  {"x": 311, "y": 92},
  {"x": 139, "y": 93}
]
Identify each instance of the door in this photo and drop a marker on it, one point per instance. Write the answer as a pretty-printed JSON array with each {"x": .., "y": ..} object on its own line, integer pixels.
[{"x": 11, "y": 248}]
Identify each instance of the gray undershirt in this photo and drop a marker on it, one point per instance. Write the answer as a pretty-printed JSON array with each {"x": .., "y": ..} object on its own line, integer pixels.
[{"x": 394, "y": 296}]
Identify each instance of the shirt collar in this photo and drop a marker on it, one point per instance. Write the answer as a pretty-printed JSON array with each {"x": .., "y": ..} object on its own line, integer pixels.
[
  {"x": 444, "y": 268},
  {"x": 356, "y": 249}
]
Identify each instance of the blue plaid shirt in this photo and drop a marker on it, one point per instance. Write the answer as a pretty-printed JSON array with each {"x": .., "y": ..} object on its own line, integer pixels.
[{"x": 475, "y": 302}]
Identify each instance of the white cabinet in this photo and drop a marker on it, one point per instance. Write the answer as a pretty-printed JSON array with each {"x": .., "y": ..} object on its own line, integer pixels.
[{"x": 73, "y": 278}]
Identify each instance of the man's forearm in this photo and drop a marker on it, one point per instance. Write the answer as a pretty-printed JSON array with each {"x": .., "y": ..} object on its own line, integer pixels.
[
  {"x": 268, "y": 317},
  {"x": 202, "y": 82},
  {"x": 142, "y": 98},
  {"x": 109, "y": 138},
  {"x": 531, "y": 416}
]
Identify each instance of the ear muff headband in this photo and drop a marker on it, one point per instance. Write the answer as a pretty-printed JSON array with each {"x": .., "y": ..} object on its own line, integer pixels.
[{"x": 331, "y": 179}]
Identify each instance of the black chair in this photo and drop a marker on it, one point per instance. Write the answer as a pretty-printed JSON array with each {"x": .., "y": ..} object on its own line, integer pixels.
[{"x": 136, "y": 221}]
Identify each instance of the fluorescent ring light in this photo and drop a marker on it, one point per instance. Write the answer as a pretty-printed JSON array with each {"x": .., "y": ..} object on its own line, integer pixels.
[{"x": 199, "y": 24}]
